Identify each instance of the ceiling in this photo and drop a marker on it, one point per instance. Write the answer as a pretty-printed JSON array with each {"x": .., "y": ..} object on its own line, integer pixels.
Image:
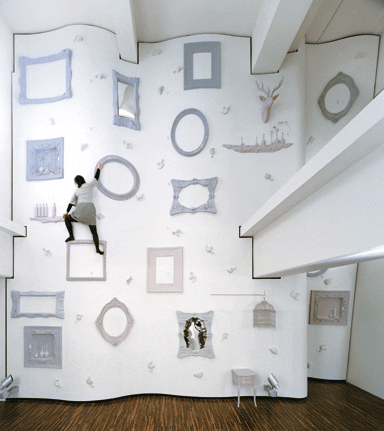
[{"x": 158, "y": 20}]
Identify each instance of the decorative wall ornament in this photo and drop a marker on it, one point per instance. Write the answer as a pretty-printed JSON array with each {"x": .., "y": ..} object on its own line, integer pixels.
[
  {"x": 322, "y": 347},
  {"x": 51, "y": 121},
  {"x": 140, "y": 197},
  {"x": 224, "y": 336},
  {"x": 103, "y": 257},
  {"x": 178, "y": 69},
  {"x": 26, "y": 61},
  {"x": 128, "y": 281},
  {"x": 115, "y": 341},
  {"x": 225, "y": 110},
  {"x": 295, "y": 295},
  {"x": 231, "y": 269},
  {"x": 83, "y": 147},
  {"x": 182, "y": 114},
  {"x": 268, "y": 100},
  {"x": 78, "y": 317},
  {"x": 90, "y": 382},
  {"x": 199, "y": 375},
  {"x": 47, "y": 252},
  {"x": 329, "y": 307},
  {"x": 160, "y": 165},
  {"x": 192, "y": 277},
  {"x": 263, "y": 147},
  {"x": 174, "y": 280},
  {"x": 268, "y": 177},
  {"x": 212, "y": 152},
  {"x": 209, "y": 249},
  {"x": 177, "y": 232},
  {"x": 42, "y": 346},
  {"x": 340, "y": 78},
  {"x": 327, "y": 281},
  {"x": 161, "y": 89},
  {"x": 128, "y": 145},
  {"x": 78, "y": 39},
  {"x": 101, "y": 76},
  {"x": 209, "y": 206},
  {"x": 156, "y": 52},
  {"x": 136, "y": 178},
  {"x": 16, "y": 296},
  {"x": 45, "y": 159},
  {"x": 195, "y": 337},
  {"x": 264, "y": 315},
  {"x": 151, "y": 366},
  {"x": 126, "y": 112},
  {"x": 214, "y": 48},
  {"x": 100, "y": 216},
  {"x": 274, "y": 351},
  {"x": 58, "y": 383}
]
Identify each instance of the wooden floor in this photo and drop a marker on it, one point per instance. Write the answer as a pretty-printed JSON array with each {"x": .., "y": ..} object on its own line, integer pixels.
[{"x": 329, "y": 406}]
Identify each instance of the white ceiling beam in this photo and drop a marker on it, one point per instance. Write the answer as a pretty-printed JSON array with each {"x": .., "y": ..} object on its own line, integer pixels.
[
  {"x": 12, "y": 228},
  {"x": 276, "y": 27},
  {"x": 125, "y": 30}
]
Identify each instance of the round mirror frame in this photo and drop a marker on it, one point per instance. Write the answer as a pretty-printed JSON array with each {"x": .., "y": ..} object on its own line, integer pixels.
[
  {"x": 136, "y": 179},
  {"x": 115, "y": 341},
  {"x": 340, "y": 78},
  {"x": 174, "y": 127}
]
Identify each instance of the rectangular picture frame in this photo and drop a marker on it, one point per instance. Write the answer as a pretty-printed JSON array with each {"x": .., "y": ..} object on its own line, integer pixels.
[
  {"x": 152, "y": 255},
  {"x": 104, "y": 257},
  {"x": 40, "y": 354},
  {"x": 16, "y": 296}
]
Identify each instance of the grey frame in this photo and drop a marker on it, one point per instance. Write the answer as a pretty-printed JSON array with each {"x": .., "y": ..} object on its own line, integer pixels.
[
  {"x": 207, "y": 351},
  {"x": 181, "y": 115},
  {"x": 209, "y": 206},
  {"x": 199, "y": 47},
  {"x": 16, "y": 295},
  {"x": 135, "y": 174},
  {"x": 152, "y": 254},
  {"x": 26, "y": 61},
  {"x": 322, "y": 295},
  {"x": 115, "y": 341},
  {"x": 54, "y": 146},
  {"x": 340, "y": 78},
  {"x": 133, "y": 82},
  {"x": 30, "y": 361},
  {"x": 104, "y": 256}
]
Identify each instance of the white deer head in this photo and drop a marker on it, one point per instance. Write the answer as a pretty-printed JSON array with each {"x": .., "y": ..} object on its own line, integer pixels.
[{"x": 268, "y": 100}]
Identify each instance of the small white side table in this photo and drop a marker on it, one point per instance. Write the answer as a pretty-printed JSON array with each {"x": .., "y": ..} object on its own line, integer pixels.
[{"x": 244, "y": 377}]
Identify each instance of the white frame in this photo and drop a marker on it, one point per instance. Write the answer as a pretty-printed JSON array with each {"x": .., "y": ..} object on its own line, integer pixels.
[{"x": 177, "y": 285}]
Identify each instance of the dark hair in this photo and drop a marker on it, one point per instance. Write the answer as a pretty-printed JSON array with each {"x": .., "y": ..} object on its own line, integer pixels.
[{"x": 79, "y": 180}]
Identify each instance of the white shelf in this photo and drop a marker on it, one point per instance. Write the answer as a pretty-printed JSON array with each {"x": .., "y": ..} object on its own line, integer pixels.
[{"x": 48, "y": 219}]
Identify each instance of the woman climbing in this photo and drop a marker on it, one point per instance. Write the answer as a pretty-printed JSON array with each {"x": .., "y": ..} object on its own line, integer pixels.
[{"x": 85, "y": 211}]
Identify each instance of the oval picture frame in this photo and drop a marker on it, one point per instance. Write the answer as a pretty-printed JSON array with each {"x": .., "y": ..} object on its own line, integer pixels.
[
  {"x": 115, "y": 341},
  {"x": 340, "y": 78},
  {"x": 181, "y": 115},
  {"x": 136, "y": 179}
]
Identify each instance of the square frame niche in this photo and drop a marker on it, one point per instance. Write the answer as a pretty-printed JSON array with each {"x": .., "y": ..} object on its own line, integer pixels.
[
  {"x": 43, "y": 347},
  {"x": 45, "y": 159},
  {"x": 16, "y": 296},
  {"x": 26, "y": 61},
  {"x": 152, "y": 255},
  {"x": 214, "y": 48},
  {"x": 104, "y": 257},
  {"x": 133, "y": 82},
  {"x": 329, "y": 307}
]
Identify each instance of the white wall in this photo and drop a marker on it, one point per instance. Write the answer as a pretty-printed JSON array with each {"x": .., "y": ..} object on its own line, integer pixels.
[
  {"x": 129, "y": 227},
  {"x": 365, "y": 368},
  {"x": 380, "y": 67},
  {"x": 6, "y": 67},
  {"x": 331, "y": 361}
]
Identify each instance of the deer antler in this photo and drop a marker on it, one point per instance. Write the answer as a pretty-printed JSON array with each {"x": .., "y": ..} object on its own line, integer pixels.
[
  {"x": 263, "y": 89},
  {"x": 276, "y": 88}
]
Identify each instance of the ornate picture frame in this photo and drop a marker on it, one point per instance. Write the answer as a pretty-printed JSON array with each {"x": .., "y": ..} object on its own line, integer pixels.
[
  {"x": 104, "y": 258},
  {"x": 202, "y": 323},
  {"x": 119, "y": 120},
  {"x": 45, "y": 159},
  {"x": 340, "y": 78},
  {"x": 209, "y": 206},
  {"x": 329, "y": 307},
  {"x": 115, "y": 341},
  {"x": 214, "y": 48},
  {"x": 26, "y": 61},
  {"x": 152, "y": 255},
  {"x": 16, "y": 296},
  {"x": 135, "y": 174},
  {"x": 43, "y": 347},
  {"x": 182, "y": 114}
]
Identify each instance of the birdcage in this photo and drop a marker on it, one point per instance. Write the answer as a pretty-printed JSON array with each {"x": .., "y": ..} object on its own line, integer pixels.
[{"x": 264, "y": 315}]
